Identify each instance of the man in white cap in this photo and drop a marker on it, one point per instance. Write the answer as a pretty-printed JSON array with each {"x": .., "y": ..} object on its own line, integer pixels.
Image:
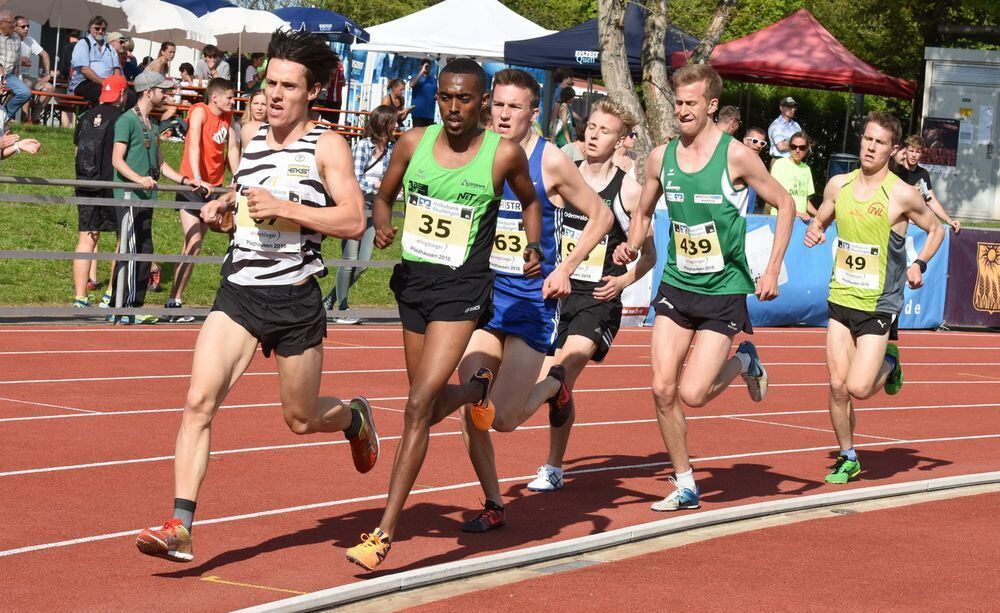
[{"x": 783, "y": 127}]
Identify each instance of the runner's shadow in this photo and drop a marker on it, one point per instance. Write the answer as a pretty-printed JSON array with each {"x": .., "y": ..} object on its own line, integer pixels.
[
  {"x": 742, "y": 481},
  {"x": 877, "y": 464}
]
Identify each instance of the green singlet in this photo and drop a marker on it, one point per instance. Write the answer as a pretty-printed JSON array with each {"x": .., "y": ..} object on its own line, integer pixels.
[
  {"x": 705, "y": 254},
  {"x": 450, "y": 212},
  {"x": 869, "y": 259}
]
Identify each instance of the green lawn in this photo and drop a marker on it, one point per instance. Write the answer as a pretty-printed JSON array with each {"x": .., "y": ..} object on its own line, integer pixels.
[{"x": 50, "y": 227}]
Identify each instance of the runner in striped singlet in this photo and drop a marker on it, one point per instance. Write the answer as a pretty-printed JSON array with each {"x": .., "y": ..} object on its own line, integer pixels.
[
  {"x": 872, "y": 207},
  {"x": 290, "y": 176},
  {"x": 703, "y": 175}
]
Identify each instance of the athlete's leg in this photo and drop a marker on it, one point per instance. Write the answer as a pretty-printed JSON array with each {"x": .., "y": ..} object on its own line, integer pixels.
[
  {"x": 574, "y": 356},
  {"x": 839, "y": 355},
  {"x": 87, "y": 243},
  {"x": 221, "y": 354},
  {"x": 442, "y": 347},
  {"x": 515, "y": 397},
  {"x": 670, "y": 344},
  {"x": 305, "y": 411},
  {"x": 194, "y": 232},
  {"x": 486, "y": 349},
  {"x": 869, "y": 368}
]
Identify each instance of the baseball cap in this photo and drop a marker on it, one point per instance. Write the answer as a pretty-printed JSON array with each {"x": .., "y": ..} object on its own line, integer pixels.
[
  {"x": 112, "y": 88},
  {"x": 149, "y": 79},
  {"x": 789, "y": 101},
  {"x": 116, "y": 36}
]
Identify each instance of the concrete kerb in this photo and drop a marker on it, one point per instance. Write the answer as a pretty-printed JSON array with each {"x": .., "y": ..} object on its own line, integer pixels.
[{"x": 450, "y": 571}]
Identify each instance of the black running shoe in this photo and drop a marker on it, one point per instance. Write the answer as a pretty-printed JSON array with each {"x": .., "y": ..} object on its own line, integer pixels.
[
  {"x": 490, "y": 517},
  {"x": 560, "y": 405}
]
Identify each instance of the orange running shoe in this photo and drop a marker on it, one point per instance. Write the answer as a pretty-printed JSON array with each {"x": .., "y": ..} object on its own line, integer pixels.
[
  {"x": 365, "y": 447},
  {"x": 171, "y": 542},
  {"x": 371, "y": 551},
  {"x": 483, "y": 411}
]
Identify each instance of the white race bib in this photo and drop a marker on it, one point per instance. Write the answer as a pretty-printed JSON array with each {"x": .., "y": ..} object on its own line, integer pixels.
[
  {"x": 697, "y": 248},
  {"x": 508, "y": 246},
  {"x": 267, "y": 234},
  {"x": 857, "y": 264},
  {"x": 437, "y": 230},
  {"x": 592, "y": 268}
]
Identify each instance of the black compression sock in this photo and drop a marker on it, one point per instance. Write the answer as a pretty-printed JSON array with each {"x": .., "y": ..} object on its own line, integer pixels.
[
  {"x": 356, "y": 422},
  {"x": 184, "y": 511}
]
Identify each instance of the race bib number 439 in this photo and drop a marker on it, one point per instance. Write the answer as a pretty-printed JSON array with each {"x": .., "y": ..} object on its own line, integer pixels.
[
  {"x": 857, "y": 264},
  {"x": 436, "y": 230},
  {"x": 697, "y": 248},
  {"x": 271, "y": 234},
  {"x": 508, "y": 246}
]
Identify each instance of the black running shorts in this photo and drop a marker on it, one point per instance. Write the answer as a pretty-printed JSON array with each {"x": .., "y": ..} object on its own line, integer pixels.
[
  {"x": 96, "y": 218},
  {"x": 286, "y": 319},
  {"x": 726, "y": 314},
  {"x": 861, "y": 323},
  {"x": 195, "y": 198},
  {"x": 598, "y": 320},
  {"x": 424, "y": 297}
]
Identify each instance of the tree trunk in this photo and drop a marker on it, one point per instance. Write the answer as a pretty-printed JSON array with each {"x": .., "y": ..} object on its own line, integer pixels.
[
  {"x": 722, "y": 17},
  {"x": 615, "y": 70},
  {"x": 656, "y": 87}
]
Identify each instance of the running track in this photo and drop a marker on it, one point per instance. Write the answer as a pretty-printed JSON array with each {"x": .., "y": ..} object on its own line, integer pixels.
[{"x": 89, "y": 414}]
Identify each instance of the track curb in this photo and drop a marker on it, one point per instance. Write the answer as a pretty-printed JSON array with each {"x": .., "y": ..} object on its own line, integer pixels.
[{"x": 461, "y": 569}]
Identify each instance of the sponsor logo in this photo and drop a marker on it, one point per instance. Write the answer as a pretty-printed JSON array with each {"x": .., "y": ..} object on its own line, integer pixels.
[
  {"x": 510, "y": 205},
  {"x": 666, "y": 302},
  {"x": 877, "y": 209},
  {"x": 586, "y": 57},
  {"x": 466, "y": 197},
  {"x": 732, "y": 325},
  {"x": 221, "y": 135},
  {"x": 576, "y": 216},
  {"x": 674, "y": 197},
  {"x": 473, "y": 309},
  {"x": 708, "y": 198},
  {"x": 298, "y": 171},
  {"x": 98, "y": 121},
  {"x": 670, "y": 187},
  {"x": 300, "y": 157},
  {"x": 881, "y": 324},
  {"x": 468, "y": 183},
  {"x": 986, "y": 295},
  {"x": 417, "y": 188}
]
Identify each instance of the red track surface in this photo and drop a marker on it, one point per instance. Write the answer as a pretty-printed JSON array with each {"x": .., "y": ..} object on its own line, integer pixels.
[{"x": 113, "y": 403}]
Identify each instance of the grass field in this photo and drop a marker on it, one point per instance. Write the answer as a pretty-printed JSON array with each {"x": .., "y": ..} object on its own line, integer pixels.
[{"x": 51, "y": 227}]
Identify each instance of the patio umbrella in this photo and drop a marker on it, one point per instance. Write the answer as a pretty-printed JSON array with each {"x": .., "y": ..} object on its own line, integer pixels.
[
  {"x": 155, "y": 18},
  {"x": 201, "y": 7},
  {"x": 320, "y": 21},
  {"x": 245, "y": 29}
]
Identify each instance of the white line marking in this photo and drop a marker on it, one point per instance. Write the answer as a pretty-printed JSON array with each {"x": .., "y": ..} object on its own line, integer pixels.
[
  {"x": 800, "y": 427},
  {"x": 429, "y": 490},
  {"x": 45, "y": 404}
]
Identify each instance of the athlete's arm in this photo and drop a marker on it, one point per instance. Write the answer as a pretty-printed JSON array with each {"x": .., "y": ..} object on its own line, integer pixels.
[
  {"x": 614, "y": 286},
  {"x": 192, "y": 144},
  {"x": 816, "y": 232},
  {"x": 565, "y": 179},
  {"x": 233, "y": 153},
  {"x": 336, "y": 169},
  {"x": 217, "y": 214},
  {"x": 916, "y": 210},
  {"x": 512, "y": 166},
  {"x": 652, "y": 189},
  {"x": 746, "y": 165},
  {"x": 938, "y": 209},
  {"x": 402, "y": 152}
]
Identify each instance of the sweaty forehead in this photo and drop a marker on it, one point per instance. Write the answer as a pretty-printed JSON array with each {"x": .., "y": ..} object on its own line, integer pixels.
[{"x": 459, "y": 83}]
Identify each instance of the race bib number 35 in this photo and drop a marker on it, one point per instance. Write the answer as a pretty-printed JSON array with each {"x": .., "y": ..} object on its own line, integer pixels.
[
  {"x": 436, "y": 230},
  {"x": 857, "y": 265},
  {"x": 267, "y": 234},
  {"x": 591, "y": 269},
  {"x": 508, "y": 247},
  {"x": 697, "y": 248}
]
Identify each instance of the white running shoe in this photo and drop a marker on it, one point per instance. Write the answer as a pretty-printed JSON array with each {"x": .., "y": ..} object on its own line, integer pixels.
[
  {"x": 680, "y": 498},
  {"x": 549, "y": 478}
]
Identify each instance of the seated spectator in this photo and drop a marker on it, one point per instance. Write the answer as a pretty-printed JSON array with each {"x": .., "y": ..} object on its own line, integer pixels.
[
  {"x": 64, "y": 70},
  {"x": 37, "y": 79},
  {"x": 795, "y": 176},
  {"x": 10, "y": 62},
  {"x": 11, "y": 144},
  {"x": 253, "y": 78},
  {"x": 211, "y": 66},
  {"x": 94, "y": 60},
  {"x": 162, "y": 62}
]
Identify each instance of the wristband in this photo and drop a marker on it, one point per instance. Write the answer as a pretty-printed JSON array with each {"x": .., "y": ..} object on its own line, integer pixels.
[
  {"x": 17, "y": 147},
  {"x": 534, "y": 247},
  {"x": 922, "y": 264}
]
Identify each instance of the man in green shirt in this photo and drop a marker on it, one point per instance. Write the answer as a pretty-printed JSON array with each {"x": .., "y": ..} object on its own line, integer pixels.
[
  {"x": 795, "y": 176},
  {"x": 137, "y": 159}
]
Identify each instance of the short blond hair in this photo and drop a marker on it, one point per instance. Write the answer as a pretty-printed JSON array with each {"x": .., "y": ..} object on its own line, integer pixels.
[
  {"x": 692, "y": 73},
  {"x": 616, "y": 109}
]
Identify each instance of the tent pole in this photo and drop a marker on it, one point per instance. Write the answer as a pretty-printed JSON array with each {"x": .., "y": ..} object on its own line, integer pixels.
[
  {"x": 547, "y": 102},
  {"x": 847, "y": 120},
  {"x": 590, "y": 95}
]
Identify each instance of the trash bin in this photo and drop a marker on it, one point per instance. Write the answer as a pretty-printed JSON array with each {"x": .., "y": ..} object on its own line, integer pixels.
[{"x": 841, "y": 163}]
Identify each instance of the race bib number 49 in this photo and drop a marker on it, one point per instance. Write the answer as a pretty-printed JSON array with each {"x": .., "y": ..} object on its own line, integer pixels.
[
  {"x": 697, "y": 248},
  {"x": 857, "y": 264},
  {"x": 508, "y": 247},
  {"x": 591, "y": 269},
  {"x": 436, "y": 230},
  {"x": 271, "y": 234}
]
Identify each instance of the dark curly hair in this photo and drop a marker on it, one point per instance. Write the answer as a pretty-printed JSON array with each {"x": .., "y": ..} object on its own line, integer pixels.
[{"x": 312, "y": 51}]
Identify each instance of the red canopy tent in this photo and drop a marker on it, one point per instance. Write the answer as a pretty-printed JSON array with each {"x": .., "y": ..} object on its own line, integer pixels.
[{"x": 799, "y": 52}]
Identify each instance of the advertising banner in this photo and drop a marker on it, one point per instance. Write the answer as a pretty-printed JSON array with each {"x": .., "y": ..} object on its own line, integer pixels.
[
  {"x": 974, "y": 279},
  {"x": 941, "y": 150}
]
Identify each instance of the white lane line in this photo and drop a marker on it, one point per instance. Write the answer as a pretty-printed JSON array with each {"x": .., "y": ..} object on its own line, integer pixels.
[
  {"x": 429, "y": 490},
  {"x": 54, "y": 406},
  {"x": 800, "y": 427}
]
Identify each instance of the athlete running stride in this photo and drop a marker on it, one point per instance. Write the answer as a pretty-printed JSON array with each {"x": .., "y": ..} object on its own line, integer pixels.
[
  {"x": 290, "y": 177},
  {"x": 872, "y": 207},
  {"x": 703, "y": 175}
]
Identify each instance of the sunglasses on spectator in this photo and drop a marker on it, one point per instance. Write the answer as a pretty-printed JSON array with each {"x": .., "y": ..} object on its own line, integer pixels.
[
  {"x": 633, "y": 135},
  {"x": 800, "y": 147},
  {"x": 98, "y": 28},
  {"x": 756, "y": 141}
]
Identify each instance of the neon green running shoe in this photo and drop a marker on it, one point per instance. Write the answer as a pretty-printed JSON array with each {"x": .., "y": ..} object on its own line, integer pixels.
[
  {"x": 844, "y": 470},
  {"x": 895, "y": 381}
]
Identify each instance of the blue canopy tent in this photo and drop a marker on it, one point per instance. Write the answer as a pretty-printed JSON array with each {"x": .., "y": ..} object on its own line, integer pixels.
[
  {"x": 578, "y": 48},
  {"x": 201, "y": 7},
  {"x": 334, "y": 25}
]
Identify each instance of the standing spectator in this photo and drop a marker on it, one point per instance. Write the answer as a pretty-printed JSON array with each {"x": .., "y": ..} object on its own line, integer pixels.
[
  {"x": 624, "y": 155},
  {"x": 562, "y": 122},
  {"x": 210, "y": 143},
  {"x": 10, "y": 63},
  {"x": 782, "y": 128},
  {"x": 254, "y": 115},
  {"x": 211, "y": 66},
  {"x": 93, "y": 61},
  {"x": 756, "y": 139},
  {"x": 423, "y": 95},
  {"x": 796, "y": 177},
  {"x": 371, "y": 159},
  {"x": 395, "y": 98},
  {"x": 334, "y": 94},
  {"x": 577, "y": 150},
  {"x": 729, "y": 119},
  {"x": 162, "y": 62},
  {"x": 38, "y": 79},
  {"x": 563, "y": 78},
  {"x": 94, "y": 139},
  {"x": 64, "y": 68},
  {"x": 910, "y": 170},
  {"x": 137, "y": 159},
  {"x": 253, "y": 77}
]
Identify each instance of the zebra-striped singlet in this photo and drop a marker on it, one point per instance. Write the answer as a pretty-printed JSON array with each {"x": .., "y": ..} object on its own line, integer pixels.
[{"x": 292, "y": 168}]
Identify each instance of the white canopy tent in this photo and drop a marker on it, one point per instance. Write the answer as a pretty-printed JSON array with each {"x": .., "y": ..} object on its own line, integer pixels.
[{"x": 456, "y": 28}]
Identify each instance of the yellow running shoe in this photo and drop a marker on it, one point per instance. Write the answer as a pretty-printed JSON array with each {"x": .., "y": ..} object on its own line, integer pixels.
[
  {"x": 482, "y": 412},
  {"x": 370, "y": 552}
]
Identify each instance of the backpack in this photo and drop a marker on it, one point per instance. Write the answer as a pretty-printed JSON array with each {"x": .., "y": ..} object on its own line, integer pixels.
[{"x": 93, "y": 129}]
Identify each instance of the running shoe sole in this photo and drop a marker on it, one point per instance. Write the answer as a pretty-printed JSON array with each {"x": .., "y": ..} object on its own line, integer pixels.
[
  {"x": 152, "y": 546},
  {"x": 894, "y": 382},
  {"x": 363, "y": 405},
  {"x": 756, "y": 386}
]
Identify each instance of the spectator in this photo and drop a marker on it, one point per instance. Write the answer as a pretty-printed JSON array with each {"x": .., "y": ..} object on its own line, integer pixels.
[
  {"x": 756, "y": 139},
  {"x": 423, "y": 95},
  {"x": 563, "y": 78},
  {"x": 334, "y": 94},
  {"x": 910, "y": 170},
  {"x": 64, "y": 69},
  {"x": 130, "y": 67},
  {"x": 562, "y": 121},
  {"x": 10, "y": 63},
  {"x": 146, "y": 61},
  {"x": 93, "y": 61},
  {"x": 162, "y": 62},
  {"x": 119, "y": 42},
  {"x": 396, "y": 99},
  {"x": 253, "y": 117},
  {"x": 137, "y": 159},
  {"x": 94, "y": 139},
  {"x": 252, "y": 79},
  {"x": 187, "y": 76},
  {"x": 11, "y": 144},
  {"x": 729, "y": 119},
  {"x": 782, "y": 128},
  {"x": 371, "y": 159},
  {"x": 577, "y": 150},
  {"x": 38, "y": 79},
  {"x": 796, "y": 177},
  {"x": 211, "y": 66},
  {"x": 624, "y": 155},
  {"x": 209, "y": 145}
]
